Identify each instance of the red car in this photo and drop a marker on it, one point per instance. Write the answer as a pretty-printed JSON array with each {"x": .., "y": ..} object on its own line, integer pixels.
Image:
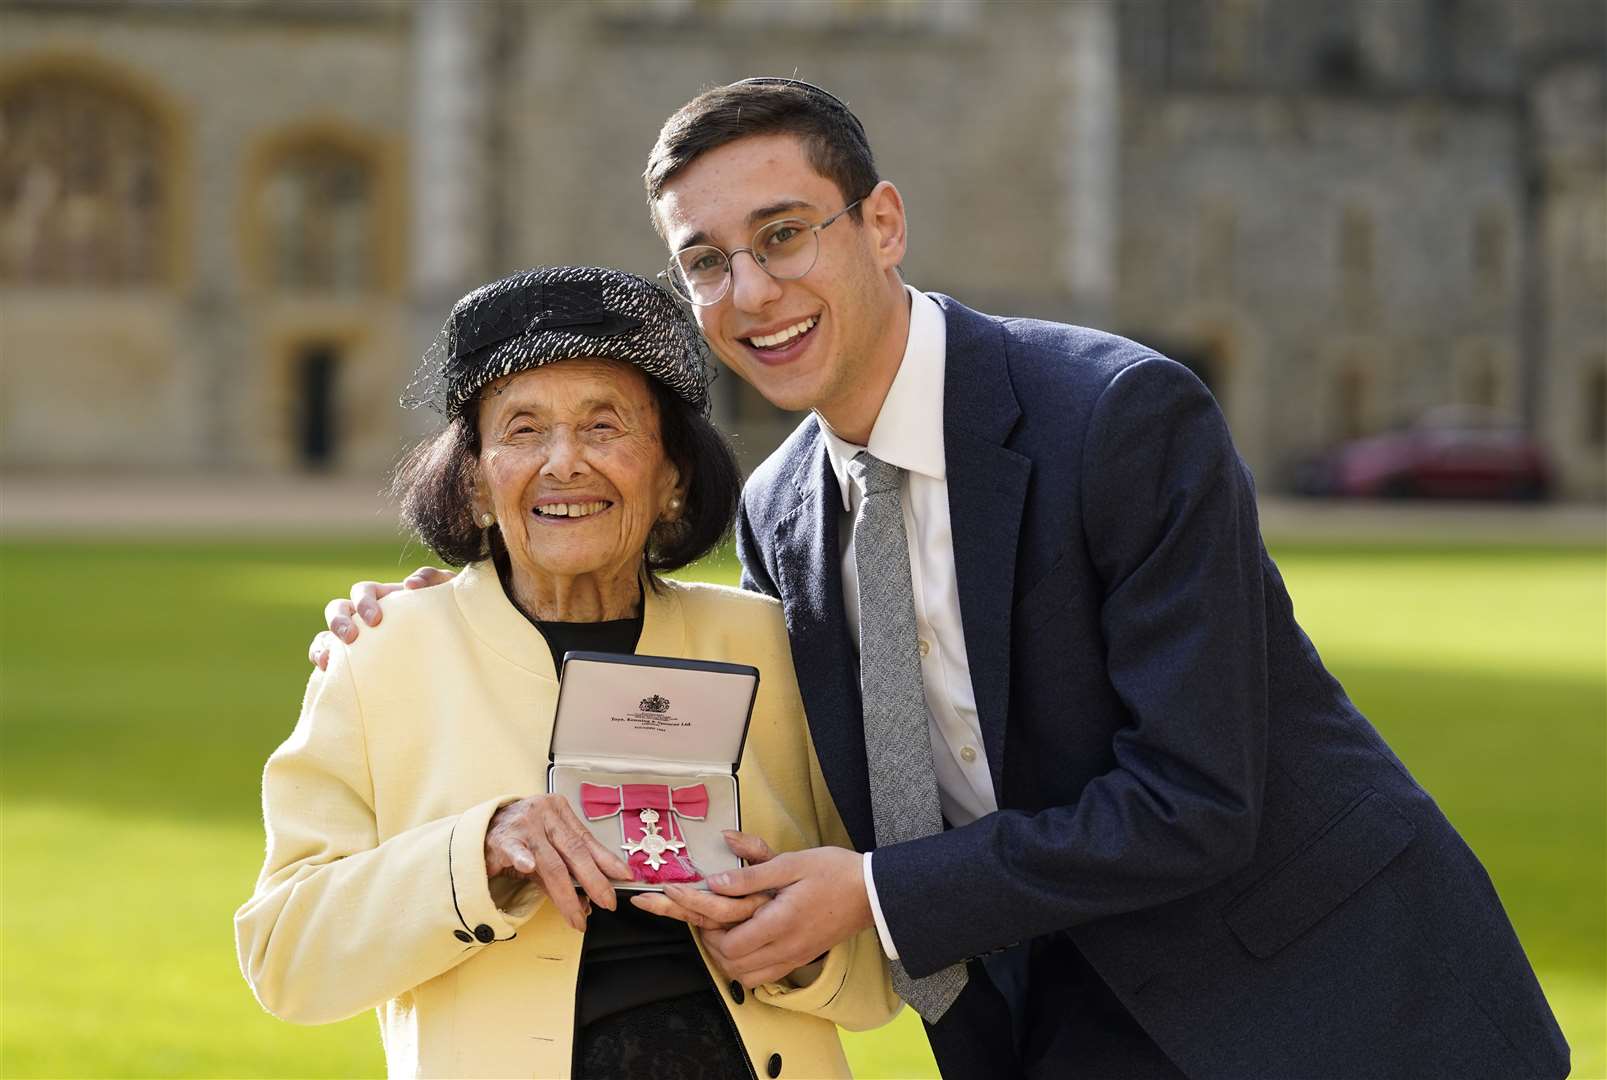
[{"x": 1451, "y": 453}]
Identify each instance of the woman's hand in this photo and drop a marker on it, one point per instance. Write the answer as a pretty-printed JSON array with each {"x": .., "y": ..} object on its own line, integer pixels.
[
  {"x": 341, "y": 615},
  {"x": 706, "y": 910},
  {"x": 541, "y": 839}
]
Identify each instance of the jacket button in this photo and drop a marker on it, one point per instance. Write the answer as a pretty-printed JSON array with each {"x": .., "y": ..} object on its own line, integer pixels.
[
  {"x": 463, "y": 935},
  {"x": 736, "y": 992},
  {"x": 772, "y": 1067},
  {"x": 484, "y": 934}
]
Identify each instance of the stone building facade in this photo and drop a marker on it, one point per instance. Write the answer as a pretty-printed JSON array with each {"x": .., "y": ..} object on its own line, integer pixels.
[
  {"x": 1347, "y": 215},
  {"x": 227, "y": 230}
]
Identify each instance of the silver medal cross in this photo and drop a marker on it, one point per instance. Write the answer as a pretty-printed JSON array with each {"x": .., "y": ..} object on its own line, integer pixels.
[{"x": 652, "y": 844}]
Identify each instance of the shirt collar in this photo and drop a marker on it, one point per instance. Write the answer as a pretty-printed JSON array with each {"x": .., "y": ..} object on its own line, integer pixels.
[{"x": 908, "y": 431}]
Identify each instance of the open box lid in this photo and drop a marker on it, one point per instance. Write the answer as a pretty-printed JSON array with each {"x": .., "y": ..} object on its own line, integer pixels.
[{"x": 627, "y": 711}]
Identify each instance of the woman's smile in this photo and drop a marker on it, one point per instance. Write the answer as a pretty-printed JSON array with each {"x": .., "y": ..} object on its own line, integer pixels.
[{"x": 570, "y": 510}]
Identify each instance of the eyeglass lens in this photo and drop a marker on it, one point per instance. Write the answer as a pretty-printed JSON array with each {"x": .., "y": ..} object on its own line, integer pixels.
[{"x": 786, "y": 249}]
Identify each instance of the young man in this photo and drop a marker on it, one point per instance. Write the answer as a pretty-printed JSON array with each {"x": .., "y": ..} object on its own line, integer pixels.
[{"x": 1120, "y": 821}]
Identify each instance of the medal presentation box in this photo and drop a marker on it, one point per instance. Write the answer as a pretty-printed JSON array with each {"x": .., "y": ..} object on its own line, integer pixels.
[{"x": 646, "y": 749}]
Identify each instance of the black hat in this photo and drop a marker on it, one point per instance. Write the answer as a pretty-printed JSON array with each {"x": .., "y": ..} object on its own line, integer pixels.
[{"x": 556, "y": 313}]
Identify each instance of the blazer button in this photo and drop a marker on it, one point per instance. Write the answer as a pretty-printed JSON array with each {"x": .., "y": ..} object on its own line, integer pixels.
[
  {"x": 463, "y": 935},
  {"x": 772, "y": 1067},
  {"x": 736, "y": 992},
  {"x": 484, "y": 934}
]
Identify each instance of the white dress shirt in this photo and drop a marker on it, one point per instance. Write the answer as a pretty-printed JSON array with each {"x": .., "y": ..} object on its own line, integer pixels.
[{"x": 908, "y": 433}]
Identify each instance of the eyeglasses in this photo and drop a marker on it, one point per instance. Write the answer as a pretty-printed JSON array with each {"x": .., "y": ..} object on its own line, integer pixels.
[{"x": 785, "y": 249}]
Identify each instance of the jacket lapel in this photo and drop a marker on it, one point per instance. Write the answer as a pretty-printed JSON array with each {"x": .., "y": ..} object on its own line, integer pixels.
[
  {"x": 987, "y": 494},
  {"x": 809, "y": 564}
]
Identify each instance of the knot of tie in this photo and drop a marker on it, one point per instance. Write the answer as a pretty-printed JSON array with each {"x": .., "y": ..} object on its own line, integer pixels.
[{"x": 874, "y": 475}]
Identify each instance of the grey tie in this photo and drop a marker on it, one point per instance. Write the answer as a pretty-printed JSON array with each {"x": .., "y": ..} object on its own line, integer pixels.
[{"x": 898, "y": 745}]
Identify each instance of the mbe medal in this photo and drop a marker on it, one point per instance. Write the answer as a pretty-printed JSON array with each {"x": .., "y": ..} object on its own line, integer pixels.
[{"x": 652, "y": 844}]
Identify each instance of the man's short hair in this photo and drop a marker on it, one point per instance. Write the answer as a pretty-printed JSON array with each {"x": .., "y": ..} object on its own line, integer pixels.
[{"x": 833, "y": 139}]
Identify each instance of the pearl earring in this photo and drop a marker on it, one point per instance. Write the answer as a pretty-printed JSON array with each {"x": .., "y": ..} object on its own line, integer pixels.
[
  {"x": 487, "y": 520},
  {"x": 675, "y": 502}
]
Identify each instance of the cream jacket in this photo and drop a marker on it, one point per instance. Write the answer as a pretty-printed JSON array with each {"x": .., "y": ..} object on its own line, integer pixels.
[{"x": 374, "y": 891}]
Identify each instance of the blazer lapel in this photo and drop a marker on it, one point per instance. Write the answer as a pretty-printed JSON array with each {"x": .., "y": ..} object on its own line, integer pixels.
[
  {"x": 987, "y": 494},
  {"x": 809, "y": 564}
]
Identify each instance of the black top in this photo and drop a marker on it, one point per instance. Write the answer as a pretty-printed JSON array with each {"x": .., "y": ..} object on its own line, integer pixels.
[
  {"x": 630, "y": 958},
  {"x": 615, "y": 635}
]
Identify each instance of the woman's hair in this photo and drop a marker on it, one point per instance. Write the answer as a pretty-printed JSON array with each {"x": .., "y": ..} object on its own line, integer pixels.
[{"x": 435, "y": 485}]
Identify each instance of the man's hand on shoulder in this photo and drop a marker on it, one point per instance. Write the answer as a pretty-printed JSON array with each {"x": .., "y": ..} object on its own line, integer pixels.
[
  {"x": 341, "y": 615},
  {"x": 819, "y": 903}
]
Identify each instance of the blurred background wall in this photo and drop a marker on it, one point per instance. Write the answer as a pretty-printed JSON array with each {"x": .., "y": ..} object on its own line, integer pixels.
[{"x": 227, "y": 230}]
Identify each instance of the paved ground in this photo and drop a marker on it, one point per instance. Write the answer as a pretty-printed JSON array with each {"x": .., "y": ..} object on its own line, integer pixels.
[
  {"x": 95, "y": 505},
  {"x": 183, "y": 505}
]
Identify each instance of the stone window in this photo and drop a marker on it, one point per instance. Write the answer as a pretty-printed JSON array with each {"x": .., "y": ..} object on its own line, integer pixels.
[
  {"x": 1216, "y": 239},
  {"x": 1337, "y": 59},
  {"x": 83, "y": 186},
  {"x": 1595, "y": 418},
  {"x": 1589, "y": 247},
  {"x": 740, "y": 406},
  {"x": 1234, "y": 29},
  {"x": 317, "y": 215},
  {"x": 1356, "y": 261},
  {"x": 1490, "y": 243},
  {"x": 786, "y": 12},
  {"x": 896, "y": 9},
  {"x": 1484, "y": 382},
  {"x": 1350, "y": 400}
]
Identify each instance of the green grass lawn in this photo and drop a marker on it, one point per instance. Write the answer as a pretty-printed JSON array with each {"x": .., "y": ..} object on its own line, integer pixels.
[{"x": 142, "y": 685}]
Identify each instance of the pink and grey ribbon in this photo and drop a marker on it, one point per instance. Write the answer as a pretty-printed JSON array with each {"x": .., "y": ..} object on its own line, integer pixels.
[{"x": 649, "y": 823}]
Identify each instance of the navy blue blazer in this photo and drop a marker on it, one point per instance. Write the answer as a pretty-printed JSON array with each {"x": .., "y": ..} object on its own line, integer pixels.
[{"x": 1183, "y": 789}]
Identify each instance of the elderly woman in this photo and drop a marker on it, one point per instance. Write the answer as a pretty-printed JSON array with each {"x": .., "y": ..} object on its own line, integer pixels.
[{"x": 413, "y": 865}]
